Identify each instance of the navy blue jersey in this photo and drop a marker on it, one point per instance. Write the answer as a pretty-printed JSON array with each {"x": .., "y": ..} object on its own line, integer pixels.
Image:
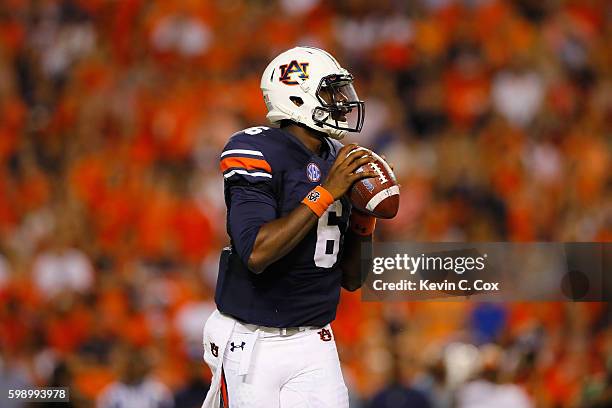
[{"x": 268, "y": 172}]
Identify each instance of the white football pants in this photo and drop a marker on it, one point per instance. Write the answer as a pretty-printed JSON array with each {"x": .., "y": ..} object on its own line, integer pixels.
[{"x": 265, "y": 368}]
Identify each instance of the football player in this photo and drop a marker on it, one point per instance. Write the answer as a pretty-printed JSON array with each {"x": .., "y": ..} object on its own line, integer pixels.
[{"x": 295, "y": 241}]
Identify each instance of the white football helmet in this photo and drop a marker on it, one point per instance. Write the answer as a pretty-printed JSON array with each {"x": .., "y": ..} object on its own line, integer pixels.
[{"x": 308, "y": 86}]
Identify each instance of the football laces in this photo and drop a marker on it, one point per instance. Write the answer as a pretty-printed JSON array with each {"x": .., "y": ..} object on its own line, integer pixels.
[{"x": 381, "y": 175}]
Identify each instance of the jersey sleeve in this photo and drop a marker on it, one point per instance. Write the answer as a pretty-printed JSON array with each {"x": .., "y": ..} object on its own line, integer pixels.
[
  {"x": 243, "y": 161},
  {"x": 250, "y": 197},
  {"x": 250, "y": 208}
]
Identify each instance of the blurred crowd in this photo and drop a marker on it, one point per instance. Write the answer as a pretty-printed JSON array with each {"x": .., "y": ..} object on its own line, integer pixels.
[{"x": 496, "y": 114}]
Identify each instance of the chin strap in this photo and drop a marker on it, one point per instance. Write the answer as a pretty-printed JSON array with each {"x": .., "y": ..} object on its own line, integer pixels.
[
  {"x": 279, "y": 113},
  {"x": 335, "y": 133}
]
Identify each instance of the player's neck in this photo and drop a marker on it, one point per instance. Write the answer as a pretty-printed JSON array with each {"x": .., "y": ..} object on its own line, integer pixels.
[{"x": 308, "y": 137}]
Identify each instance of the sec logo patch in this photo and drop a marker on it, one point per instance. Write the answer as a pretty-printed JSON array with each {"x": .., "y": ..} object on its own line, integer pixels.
[{"x": 313, "y": 172}]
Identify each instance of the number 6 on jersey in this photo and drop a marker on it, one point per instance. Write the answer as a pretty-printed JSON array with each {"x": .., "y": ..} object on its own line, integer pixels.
[{"x": 328, "y": 235}]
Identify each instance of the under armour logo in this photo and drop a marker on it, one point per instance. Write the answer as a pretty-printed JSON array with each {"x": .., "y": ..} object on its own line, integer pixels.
[
  {"x": 234, "y": 347},
  {"x": 214, "y": 349},
  {"x": 325, "y": 335},
  {"x": 314, "y": 196}
]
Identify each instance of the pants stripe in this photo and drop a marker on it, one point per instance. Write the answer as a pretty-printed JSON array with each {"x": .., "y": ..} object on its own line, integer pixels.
[{"x": 224, "y": 395}]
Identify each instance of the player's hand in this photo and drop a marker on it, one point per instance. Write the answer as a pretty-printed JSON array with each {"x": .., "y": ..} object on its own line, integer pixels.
[{"x": 342, "y": 174}]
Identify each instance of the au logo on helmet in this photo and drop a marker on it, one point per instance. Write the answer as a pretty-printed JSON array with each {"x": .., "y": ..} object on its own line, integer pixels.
[{"x": 294, "y": 67}]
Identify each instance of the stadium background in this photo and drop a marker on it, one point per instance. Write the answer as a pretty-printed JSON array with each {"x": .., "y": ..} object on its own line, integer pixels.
[{"x": 496, "y": 114}]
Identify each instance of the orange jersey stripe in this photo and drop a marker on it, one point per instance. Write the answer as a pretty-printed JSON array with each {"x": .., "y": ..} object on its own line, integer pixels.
[{"x": 245, "y": 163}]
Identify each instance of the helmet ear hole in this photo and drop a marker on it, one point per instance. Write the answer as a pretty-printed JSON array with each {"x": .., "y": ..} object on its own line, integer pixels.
[{"x": 297, "y": 101}]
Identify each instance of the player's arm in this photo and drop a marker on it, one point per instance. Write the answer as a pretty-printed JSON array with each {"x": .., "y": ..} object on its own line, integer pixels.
[
  {"x": 276, "y": 238},
  {"x": 356, "y": 259},
  {"x": 357, "y": 244}
]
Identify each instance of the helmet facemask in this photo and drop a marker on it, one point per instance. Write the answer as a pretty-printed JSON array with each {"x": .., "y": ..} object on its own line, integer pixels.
[{"x": 340, "y": 108}]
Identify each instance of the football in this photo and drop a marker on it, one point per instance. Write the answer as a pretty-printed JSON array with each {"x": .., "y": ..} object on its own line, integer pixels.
[{"x": 378, "y": 196}]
